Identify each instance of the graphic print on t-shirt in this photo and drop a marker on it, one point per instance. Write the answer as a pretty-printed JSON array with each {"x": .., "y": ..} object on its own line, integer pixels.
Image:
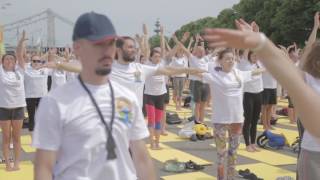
[
  {"x": 124, "y": 110},
  {"x": 137, "y": 76}
]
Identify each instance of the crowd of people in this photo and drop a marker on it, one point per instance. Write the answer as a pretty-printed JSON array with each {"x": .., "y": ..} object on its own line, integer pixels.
[{"x": 86, "y": 106}]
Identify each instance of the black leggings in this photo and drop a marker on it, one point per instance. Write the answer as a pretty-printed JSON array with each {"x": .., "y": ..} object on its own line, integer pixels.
[
  {"x": 32, "y": 105},
  {"x": 252, "y": 107}
]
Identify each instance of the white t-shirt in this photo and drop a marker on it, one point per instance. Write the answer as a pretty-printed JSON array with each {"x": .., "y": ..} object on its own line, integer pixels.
[
  {"x": 12, "y": 94},
  {"x": 71, "y": 76},
  {"x": 35, "y": 82},
  {"x": 132, "y": 76},
  {"x": 58, "y": 78},
  {"x": 268, "y": 81},
  {"x": 201, "y": 63},
  {"x": 308, "y": 141},
  {"x": 179, "y": 63},
  {"x": 227, "y": 95},
  {"x": 256, "y": 84},
  {"x": 155, "y": 85},
  {"x": 68, "y": 123}
]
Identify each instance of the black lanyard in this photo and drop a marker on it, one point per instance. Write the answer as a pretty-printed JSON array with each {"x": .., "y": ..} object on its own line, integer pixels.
[{"x": 111, "y": 145}]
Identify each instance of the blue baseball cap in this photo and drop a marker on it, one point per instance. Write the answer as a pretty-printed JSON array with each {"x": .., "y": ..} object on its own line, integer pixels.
[{"x": 94, "y": 27}]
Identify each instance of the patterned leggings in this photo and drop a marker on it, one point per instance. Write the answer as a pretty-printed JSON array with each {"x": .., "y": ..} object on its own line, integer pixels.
[{"x": 220, "y": 132}]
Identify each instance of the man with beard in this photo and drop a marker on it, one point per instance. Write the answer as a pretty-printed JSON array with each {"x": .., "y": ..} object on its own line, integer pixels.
[
  {"x": 85, "y": 128},
  {"x": 133, "y": 75},
  {"x": 129, "y": 73}
]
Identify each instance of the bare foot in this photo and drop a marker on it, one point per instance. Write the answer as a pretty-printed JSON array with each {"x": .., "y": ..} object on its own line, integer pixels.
[
  {"x": 8, "y": 167},
  {"x": 255, "y": 148},
  {"x": 152, "y": 145},
  {"x": 164, "y": 133},
  {"x": 15, "y": 168},
  {"x": 157, "y": 147},
  {"x": 249, "y": 149}
]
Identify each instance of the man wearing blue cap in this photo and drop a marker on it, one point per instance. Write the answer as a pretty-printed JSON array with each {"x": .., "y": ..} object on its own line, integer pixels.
[{"x": 84, "y": 129}]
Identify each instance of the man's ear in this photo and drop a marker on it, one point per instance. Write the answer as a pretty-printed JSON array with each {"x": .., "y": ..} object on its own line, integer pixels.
[{"x": 76, "y": 47}]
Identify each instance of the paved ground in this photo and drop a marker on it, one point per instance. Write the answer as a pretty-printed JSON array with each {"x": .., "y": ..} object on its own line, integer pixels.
[{"x": 268, "y": 164}]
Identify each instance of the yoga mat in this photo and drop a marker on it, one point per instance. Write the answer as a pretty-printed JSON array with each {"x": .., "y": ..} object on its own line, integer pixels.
[
  {"x": 266, "y": 156},
  {"x": 25, "y": 172},
  {"x": 189, "y": 176},
  {"x": 266, "y": 171},
  {"x": 171, "y": 137},
  {"x": 285, "y": 121},
  {"x": 168, "y": 153},
  {"x": 26, "y": 144}
]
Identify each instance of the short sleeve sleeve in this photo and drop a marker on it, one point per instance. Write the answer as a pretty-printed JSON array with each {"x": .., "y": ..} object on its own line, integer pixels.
[
  {"x": 149, "y": 70},
  {"x": 246, "y": 75},
  {"x": 139, "y": 128},
  {"x": 207, "y": 78},
  {"x": 48, "y": 130}
]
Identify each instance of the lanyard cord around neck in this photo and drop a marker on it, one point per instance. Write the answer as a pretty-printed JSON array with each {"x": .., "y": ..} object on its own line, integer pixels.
[{"x": 110, "y": 140}]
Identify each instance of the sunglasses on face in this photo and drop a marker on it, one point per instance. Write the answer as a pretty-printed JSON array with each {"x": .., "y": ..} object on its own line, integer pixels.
[{"x": 38, "y": 61}]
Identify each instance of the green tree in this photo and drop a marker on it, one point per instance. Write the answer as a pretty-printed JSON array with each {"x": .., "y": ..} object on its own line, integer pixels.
[{"x": 284, "y": 21}]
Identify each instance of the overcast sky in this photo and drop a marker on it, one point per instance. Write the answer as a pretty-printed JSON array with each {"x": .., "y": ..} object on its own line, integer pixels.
[{"x": 126, "y": 15}]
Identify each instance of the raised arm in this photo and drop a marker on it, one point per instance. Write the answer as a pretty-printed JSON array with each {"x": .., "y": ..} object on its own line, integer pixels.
[
  {"x": 181, "y": 46},
  {"x": 20, "y": 50},
  {"x": 162, "y": 42},
  {"x": 307, "y": 103},
  {"x": 146, "y": 42},
  {"x": 197, "y": 41},
  {"x": 312, "y": 38},
  {"x": 170, "y": 71},
  {"x": 167, "y": 45},
  {"x": 190, "y": 44},
  {"x": 141, "y": 47},
  {"x": 185, "y": 37}
]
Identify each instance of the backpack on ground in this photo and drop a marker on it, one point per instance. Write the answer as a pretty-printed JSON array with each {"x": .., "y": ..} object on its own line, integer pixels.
[{"x": 271, "y": 140}]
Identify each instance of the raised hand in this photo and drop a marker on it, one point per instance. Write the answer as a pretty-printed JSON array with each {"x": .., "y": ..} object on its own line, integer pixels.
[
  {"x": 175, "y": 39},
  {"x": 145, "y": 29},
  {"x": 191, "y": 40},
  {"x": 243, "y": 25},
  {"x": 138, "y": 38},
  {"x": 255, "y": 27},
  {"x": 317, "y": 20},
  {"x": 232, "y": 38},
  {"x": 161, "y": 30},
  {"x": 24, "y": 36},
  {"x": 185, "y": 36}
]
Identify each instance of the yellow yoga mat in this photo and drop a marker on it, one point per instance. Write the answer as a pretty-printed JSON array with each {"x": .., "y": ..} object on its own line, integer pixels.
[
  {"x": 26, "y": 144},
  {"x": 286, "y": 121},
  {"x": 291, "y": 135},
  {"x": 266, "y": 156},
  {"x": 25, "y": 172},
  {"x": 168, "y": 153},
  {"x": 266, "y": 171},
  {"x": 189, "y": 176},
  {"x": 171, "y": 137},
  {"x": 282, "y": 104}
]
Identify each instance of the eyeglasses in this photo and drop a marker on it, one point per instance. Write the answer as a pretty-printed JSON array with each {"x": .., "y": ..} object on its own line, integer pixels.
[{"x": 38, "y": 61}]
